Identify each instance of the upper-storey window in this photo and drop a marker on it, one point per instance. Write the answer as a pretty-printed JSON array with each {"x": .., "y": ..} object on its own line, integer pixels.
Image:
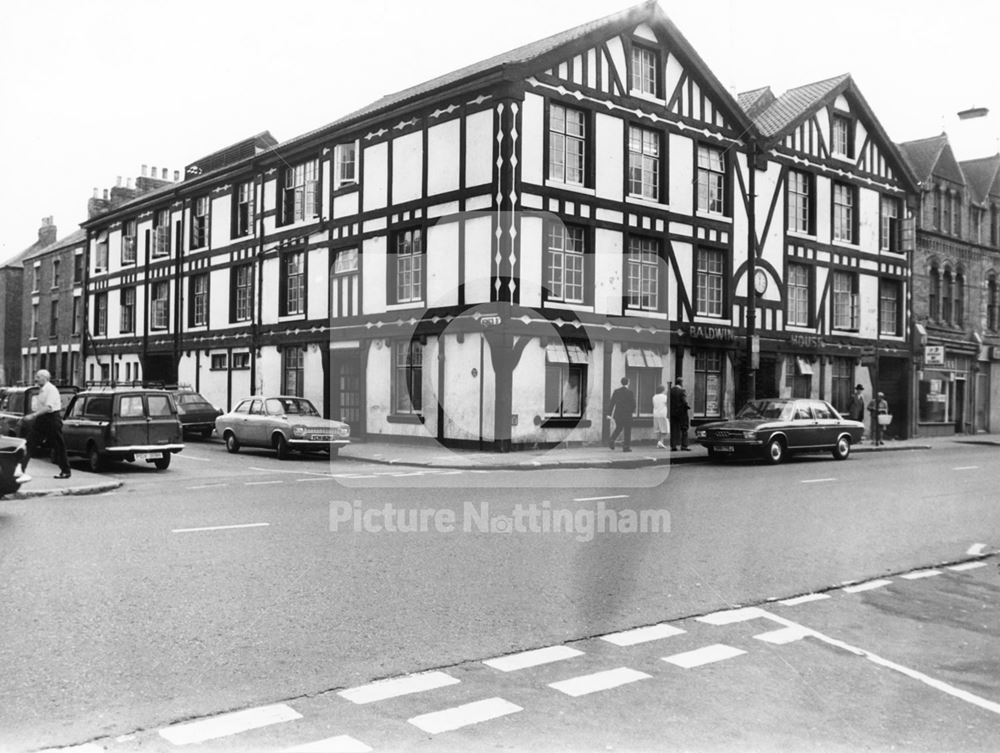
[
  {"x": 992, "y": 303},
  {"x": 198, "y": 300},
  {"x": 934, "y": 293},
  {"x": 645, "y": 71},
  {"x": 567, "y": 144},
  {"x": 976, "y": 215},
  {"x": 844, "y": 214},
  {"x": 889, "y": 224},
  {"x": 78, "y": 268},
  {"x": 564, "y": 263},
  {"x": 127, "y": 310},
  {"x": 409, "y": 267},
  {"x": 160, "y": 313},
  {"x": 644, "y": 163},
  {"x": 345, "y": 157},
  {"x": 711, "y": 180},
  {"x": 55, "y": 273},
  {"x": 934, "y": 196},
  {"x": 101, "y": 314},
  {"x": 945, "y": 197},
  {"x": 199, "y": 222},
  {"x": 845, "y": 300},
  {"x": 101, "y": 252},
  {"x": 243, "y": 214},
  {"x": 890, "y": 320},
  {"x": 128, "y": 241},
  {"x": 710, "y": 286},
  {"x": 293, "y": 286},
  {"x": 642, "y": 274},
  {"x": 799, "y": 295},
  {"x": 241, "y": 293},
  {"x": 994, "y": 226},
  {"x": 161, "y": 232},
  {"x": 956, "y": 214},
  {"x": 800, "y": 202},
  {"x": 843, "y": 136},
  {"x": 300, "y": 192}
]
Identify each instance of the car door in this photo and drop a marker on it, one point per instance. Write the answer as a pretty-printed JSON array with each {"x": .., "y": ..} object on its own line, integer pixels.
[
  {"x": 801, "y": 426},
  {"x": 827, "y": 424},
  {"x": 163, "y": 425},
  {"x": 73, "y": 430},
  {"x": 131, "y": 424},
  {"x": 255, "y": 425}
]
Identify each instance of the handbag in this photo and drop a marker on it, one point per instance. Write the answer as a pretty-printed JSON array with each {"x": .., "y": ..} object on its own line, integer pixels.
[{"x": 884, "y": 419}]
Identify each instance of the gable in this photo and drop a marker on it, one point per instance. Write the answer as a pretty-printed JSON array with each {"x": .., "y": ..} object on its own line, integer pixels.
[
  {"x": 606, "y": 66},
  {"x": 947, "y": 167}
]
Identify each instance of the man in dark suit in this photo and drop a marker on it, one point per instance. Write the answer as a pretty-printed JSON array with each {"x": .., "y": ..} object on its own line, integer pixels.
[
  {"x": 621, "y": 410},
  {"x": 679, "y": 421}
]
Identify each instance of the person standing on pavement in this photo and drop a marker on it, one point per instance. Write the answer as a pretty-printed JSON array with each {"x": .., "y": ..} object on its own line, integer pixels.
[
  {"x": 878, "y": 407},
  {"x": 856, "y": 409},
  {"x": 679, "y": 422},
  {"x": 45, "y": 422},
  {"x": 621, "y": 410},
  {"x": 660, "y": 421}
]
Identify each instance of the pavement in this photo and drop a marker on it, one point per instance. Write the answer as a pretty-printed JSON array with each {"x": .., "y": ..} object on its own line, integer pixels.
[{"x": 422, "y": 454}]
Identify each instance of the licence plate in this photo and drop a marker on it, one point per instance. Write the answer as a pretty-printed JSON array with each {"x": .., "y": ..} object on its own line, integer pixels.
[
  {"x": 148, "y": 455},
  {"x": 724, "y": 448},
  {"x": 319, "y": 437}
]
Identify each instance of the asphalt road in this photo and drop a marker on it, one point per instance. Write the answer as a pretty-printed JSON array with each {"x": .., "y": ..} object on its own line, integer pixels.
[{"x": 221, "y": 584}]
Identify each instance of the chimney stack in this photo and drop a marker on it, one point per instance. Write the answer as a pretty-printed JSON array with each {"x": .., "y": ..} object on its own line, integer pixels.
[
  {"x": 177, "y": 175},
  {"x": 164, "y": 174},
  {"x": 144, "y": 171},
  {"x": 118, "y": 182},
  {"x": 47, "y": 232},
  {"x": 128, "y": 183}
]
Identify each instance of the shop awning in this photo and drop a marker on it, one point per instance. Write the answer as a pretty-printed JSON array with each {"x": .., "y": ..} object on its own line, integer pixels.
[
  {"x": 805, "y": 368},
  {"x": 636, "y": 358},
  {"x": 565, "y": 353}
]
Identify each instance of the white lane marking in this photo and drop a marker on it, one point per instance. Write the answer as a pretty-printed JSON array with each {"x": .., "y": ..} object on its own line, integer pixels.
[
  {"x": 870, "y": 585},
  {"x": 642, "y": 634},
  {"x": 706, "y": 655},
  {"x": 804, "y": 599},
  {"x": 593, "y": 683},
  {"x": 976, "y": 549},
  {"x": 83, "y": 748},
  {"x": 219, "y": 528},
  {"x": 781, "y": 636},
  {"x": 464, "y": 715},
  {"x": 320, "y": 478},
  {"x": 967, "y": 566},
  {"x": 598, "y": 499},
  {"x": 261, "y": 483},
  {"x": 207, "y": 486},
  {"x": 228, "y": 724},
  {"x": 911, "y": 673},
  {"x": 816, "y": 480},
  {"x": 917, "y": 574},
  {"x": 397, "y": 686},
  {"x": 294, "y": 473},
  {"x": 966, "y": 468},
  {"x": 182, "y": 456},
  {"x": 533, "y": 658},
  {"x": 729, "y": 616},
  {"x": 338, "y": 744}
]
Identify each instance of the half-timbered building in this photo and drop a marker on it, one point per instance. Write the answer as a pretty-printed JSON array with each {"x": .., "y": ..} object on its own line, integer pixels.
[
  {"x": 832, "y": 272},
  {"x": 957, "y": 298},
  {"x": 481, "y": 258}
]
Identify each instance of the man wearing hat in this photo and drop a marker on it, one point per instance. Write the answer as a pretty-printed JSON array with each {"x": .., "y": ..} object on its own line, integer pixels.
[
  {"x": 856, "y": 408},
  {"x": 876, "y": 407}
]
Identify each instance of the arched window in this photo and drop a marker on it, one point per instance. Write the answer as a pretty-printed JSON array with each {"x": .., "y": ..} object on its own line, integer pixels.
[
  {"x": 934, "y": 296},
  {"x": 946, "y": 295},
  {"x": 959, "y": 316},
  {"x": 992, "y": 302},
  {"x": 935, "y": 196}
]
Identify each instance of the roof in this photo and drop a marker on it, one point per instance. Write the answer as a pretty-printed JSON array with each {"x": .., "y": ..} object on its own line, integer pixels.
[
  {"x": 795, "y": 104},
  {"x": 932, "y": 157},
  {"x": 75, "y": 238},
  {"x": 233, "y": 153},
  {"x": 983, "y": 176},
  {"x": 755, "y": 101}
]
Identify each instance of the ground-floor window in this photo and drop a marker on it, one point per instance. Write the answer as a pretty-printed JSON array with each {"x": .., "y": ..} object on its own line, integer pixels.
[
  {"x": 935, "y": 389},
  {"x": 565, "y": 387},
  {"x": 644, "y": 383},
  {"x": 798, "y": 376},
  {"x": 292, "y": 371},
  {"x": 407, "y": 378},
  {"x": 709, "y": 383},
  {"x": 840, "y": 385}
]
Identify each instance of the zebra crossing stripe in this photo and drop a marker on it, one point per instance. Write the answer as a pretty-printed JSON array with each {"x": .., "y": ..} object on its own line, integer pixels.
[
  {"x": 585, "y": 684},
  {"x": 338, "y": 744},
  {"x": 967, "y": 566},
  {"x": 397, "y": 686},
  {"x": 706, "y": 655},
  {"x": 916, "y": 574},
  {"x": 870, "y": 585},
  {"x": 525, "y": 659},
  {"x": 642, "y": 634},
  {"x": 729, "y": 616},
  {"x": 232, "y": 723},
  {"x": 464, "y": 715}
]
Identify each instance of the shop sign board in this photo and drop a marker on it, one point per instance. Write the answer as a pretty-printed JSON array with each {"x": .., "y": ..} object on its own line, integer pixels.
[{"x": 934, "y": 355}]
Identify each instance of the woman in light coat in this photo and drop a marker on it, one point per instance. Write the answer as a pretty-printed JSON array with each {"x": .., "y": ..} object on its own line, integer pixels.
[{"x": 660, "y": 421}]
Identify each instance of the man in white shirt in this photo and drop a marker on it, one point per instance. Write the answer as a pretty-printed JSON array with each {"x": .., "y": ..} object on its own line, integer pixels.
[{"x": 45, "y": 422}]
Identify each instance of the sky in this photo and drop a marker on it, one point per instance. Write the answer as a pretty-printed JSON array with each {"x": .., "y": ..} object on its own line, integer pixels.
[{"x": 91, "y": 90}]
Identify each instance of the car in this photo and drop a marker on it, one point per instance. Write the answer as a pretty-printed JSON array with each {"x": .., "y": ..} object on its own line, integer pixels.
[
  {"x": 13, "y": 451},
  {"x": 774, "y": 428},
  {"x": 196, "y": 413},
  {"x": 16, "y": 403},
  {"x": 282, "y": 423},
  {"x": 123, "y": 423}
]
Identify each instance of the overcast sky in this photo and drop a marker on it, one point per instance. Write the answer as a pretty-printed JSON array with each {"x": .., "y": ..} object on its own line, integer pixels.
[{"x": 93, "y": 89}]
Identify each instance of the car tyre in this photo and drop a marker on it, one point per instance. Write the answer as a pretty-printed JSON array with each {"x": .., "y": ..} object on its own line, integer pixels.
[
  {"x": 775, "y": 451},
  {"x": 281, "y": 447},
  {"x": 842, "y": 450},
  {"x": 163, "y": 462},
  {"x": 95, "y": 463},
  {"x": 232, "y": 443}
]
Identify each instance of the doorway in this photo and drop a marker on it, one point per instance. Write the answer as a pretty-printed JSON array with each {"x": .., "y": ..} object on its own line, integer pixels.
[
  {"x": 959, "y": 407},
  {"x": 346, "y": 402}
]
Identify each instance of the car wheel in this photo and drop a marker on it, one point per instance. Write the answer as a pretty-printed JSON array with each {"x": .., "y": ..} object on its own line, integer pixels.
[
  {"x": 163, "y": 462},
  {"x": 775, "y": 451},
  {"x": 281, "y": 446},
  {"x": 206, "y": 433},
  {"x": 842, "y": 449},
  {"x": 232, "y": 443},
  {"x": 95, "y": 463}
]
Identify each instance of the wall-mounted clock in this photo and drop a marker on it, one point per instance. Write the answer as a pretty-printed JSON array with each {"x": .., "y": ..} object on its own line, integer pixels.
[{"x": 760, "y": 281}]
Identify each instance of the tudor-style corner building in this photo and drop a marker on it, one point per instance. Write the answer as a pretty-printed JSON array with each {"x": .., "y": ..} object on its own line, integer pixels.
[
  {"x": 481, "y": 258},
  {"x": 957, "y": 305}
]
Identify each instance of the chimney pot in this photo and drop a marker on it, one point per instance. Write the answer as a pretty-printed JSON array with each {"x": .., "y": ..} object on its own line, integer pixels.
[
  {"x": 105, "y": 194},
  {"x": 95, "y": 193},
  {"x": 164, "y": 174},
  {"x": 128, "y": 183},
  {"x": 152, "y": 172},
  {"x": 144, "y": 168},
  {"x": 118, "y": 182},
  {"x": 177, "y": 175}
]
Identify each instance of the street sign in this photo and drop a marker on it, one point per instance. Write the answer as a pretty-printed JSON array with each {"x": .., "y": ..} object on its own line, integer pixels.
[{"x": 934, "y": 355}]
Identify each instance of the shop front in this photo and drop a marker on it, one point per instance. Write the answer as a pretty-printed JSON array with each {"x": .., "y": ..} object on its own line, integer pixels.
[{"x": 946, "y": 385}]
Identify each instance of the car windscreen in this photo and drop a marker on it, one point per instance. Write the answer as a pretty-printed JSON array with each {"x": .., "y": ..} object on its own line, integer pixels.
[{"x": 764, "y": 409}]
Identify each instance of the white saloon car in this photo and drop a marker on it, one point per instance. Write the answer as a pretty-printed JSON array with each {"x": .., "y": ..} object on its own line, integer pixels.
[{"x": 282, "y": 423}]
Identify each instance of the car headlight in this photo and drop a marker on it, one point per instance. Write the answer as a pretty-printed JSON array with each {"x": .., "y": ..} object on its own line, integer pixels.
[
  {"x": 344, "y": 431},
  {"x": 298, "y": 431},
  {"x": 750, "y": 434},
  {"x": 699, "y": 433}
]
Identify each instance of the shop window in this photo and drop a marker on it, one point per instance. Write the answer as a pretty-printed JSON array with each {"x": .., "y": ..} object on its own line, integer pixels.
[
  {"x": 709, "y": 384},
  {"x": 565, "y": 380},
  {"x": 934, "y": 397},
  {"x": 644, "y": 369},
  {"x": 798, "y": 376},
  {"x": 841, "y": 383}
]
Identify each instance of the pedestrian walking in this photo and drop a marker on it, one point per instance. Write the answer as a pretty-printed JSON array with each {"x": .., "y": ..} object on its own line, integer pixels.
[
  {"x": 878, "y": 407},
  {"x": 45, "y": 423},
  {"x": 660, "y": 416},
  {"x": 679, "y": 421},
  {"x": 621, "y": 409},
  {"x": 856, "y": 408}
]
